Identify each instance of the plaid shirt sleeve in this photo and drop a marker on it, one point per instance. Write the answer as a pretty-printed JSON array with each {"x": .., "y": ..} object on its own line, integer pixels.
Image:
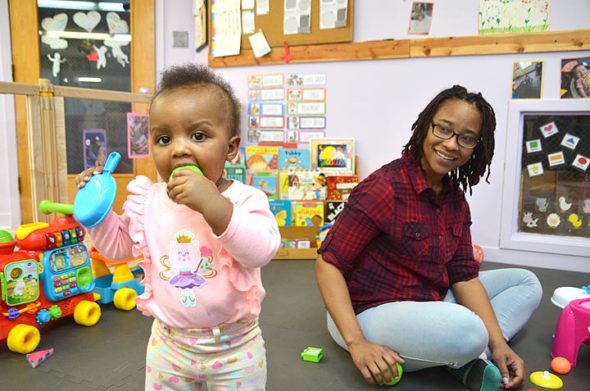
[
  {"x": 367, "y": 213},
  {"x": 463, "y": 266}
]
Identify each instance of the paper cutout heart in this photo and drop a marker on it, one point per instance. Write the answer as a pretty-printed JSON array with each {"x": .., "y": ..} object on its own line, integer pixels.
[
  {"x": 87, "y": 21},
  {"x": 116, "y": 24},
  {"x": 548, "y": 128},
  {"x": 57, "y": 23}
]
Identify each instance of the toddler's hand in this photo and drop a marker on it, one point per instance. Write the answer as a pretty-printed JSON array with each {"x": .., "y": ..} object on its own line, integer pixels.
[
  {"x": 191, "y": 189},
  {"x": 82, "y": 178}
]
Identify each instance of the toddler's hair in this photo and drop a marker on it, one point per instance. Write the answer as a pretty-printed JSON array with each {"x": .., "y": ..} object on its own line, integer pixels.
[
  {"x": 469, "y": 174},
  {"x": 192, "y": 75}
]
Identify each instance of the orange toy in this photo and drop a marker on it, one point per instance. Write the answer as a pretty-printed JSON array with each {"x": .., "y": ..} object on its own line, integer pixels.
[{"x": 561, "y": 365}]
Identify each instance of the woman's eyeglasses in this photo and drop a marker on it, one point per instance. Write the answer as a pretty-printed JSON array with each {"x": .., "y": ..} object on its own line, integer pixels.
[{"x": 444, "y": 133}]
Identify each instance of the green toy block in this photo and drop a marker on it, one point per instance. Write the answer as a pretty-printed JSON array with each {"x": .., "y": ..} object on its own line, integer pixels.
[{"x": 312, "y": 354}]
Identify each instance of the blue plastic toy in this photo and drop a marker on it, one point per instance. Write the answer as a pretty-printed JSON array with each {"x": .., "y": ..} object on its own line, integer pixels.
[{"x": 95, "y": 200}]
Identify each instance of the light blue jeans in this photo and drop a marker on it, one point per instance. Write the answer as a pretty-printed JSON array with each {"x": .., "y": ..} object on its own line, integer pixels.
[{"x": 434, "y": 333}]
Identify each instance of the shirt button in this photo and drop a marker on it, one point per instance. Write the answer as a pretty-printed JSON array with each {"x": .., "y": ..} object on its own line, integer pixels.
[{"x": 417, "y": 235}]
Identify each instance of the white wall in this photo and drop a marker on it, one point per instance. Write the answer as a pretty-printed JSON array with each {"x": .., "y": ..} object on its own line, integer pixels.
[
  {"x": 376, "y": 102},
  {"x": 9, "y": 197}
]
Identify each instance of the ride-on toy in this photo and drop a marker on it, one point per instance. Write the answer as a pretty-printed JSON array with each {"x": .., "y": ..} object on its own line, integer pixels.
[
  {"x": 45, "y": 274},
  {"x": 120, "y": 287}
]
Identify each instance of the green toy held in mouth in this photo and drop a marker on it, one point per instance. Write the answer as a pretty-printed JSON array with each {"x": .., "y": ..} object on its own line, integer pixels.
[{"x": 191, "y": 167}]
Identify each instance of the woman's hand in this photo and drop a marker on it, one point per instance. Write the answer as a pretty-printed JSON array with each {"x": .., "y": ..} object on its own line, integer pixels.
[
  {"x": 376, "y": 363},
  {"x": 511, "y": 366}
]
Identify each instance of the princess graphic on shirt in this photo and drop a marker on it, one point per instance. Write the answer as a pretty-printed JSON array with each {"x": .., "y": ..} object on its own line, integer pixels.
[{"x": 182, "y": 265}]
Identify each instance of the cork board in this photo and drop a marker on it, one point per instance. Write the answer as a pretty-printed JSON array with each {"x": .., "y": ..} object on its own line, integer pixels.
[{"x": 272, "y": 26}]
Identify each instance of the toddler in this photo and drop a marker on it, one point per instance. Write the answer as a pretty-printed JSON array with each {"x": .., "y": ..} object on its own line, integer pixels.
[{"x": 203, "y": 238}]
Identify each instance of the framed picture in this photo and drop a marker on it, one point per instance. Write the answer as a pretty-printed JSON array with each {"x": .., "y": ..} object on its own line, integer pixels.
[
  {"x": 137, "y": 135},
  {"x": 95, "y": 146},
  {"x": 420, "y": 18},
  {"x": 575, "y": 78},
  {"x": 333, "y": 155},
  {"x": 527, "y": 79}
]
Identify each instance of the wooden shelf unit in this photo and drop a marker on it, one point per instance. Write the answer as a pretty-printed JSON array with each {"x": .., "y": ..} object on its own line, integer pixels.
[{"x": 303, "y": 254}]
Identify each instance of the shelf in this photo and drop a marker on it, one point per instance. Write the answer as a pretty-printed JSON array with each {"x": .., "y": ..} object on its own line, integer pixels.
[
  {"x": 548, "y": 41},
  {"x": 306, "y": 254}
]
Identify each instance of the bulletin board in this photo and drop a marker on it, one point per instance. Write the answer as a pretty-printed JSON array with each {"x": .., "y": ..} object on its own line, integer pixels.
[{"x": 271, "y": 25}]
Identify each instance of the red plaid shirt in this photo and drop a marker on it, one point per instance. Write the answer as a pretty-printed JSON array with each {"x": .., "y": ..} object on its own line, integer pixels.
[{"x": 396, "y": 240}]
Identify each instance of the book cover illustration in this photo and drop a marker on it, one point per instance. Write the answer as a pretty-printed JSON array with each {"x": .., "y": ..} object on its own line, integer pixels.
[
  {"x": 308, "y": 213},
  {"x": 237, "y": 173},
  {"x": 333, "y": 209},
  {"x": 267, "y": 182},
  {"x": 262, "y": 158},
  {"x": 281, "y": 209},
  {"x": 303, "y": 185},
  {"x": 333, "y": 155},
  {"x": 294, "y": 159},
  {"x": 339, "y": 187}
]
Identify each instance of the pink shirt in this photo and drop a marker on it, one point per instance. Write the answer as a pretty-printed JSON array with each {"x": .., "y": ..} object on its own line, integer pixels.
[{"x": 193, "y": 278}]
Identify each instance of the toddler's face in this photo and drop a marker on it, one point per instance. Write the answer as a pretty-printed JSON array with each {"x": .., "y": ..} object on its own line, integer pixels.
[
  {"x": 581, "y": 71},
  {"x": 190, "y": 126}
]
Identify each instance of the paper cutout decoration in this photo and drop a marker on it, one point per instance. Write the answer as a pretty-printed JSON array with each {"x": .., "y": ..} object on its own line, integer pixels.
[
  {"x": 582, "y": 162},
  {"x": 36, "y": 358},
  {"x": 56, "y": 23},
  {"x": 535, "y": 169},
  {"x": 542, "y": 204},
  {"x": 575, "y": 221},
  {"x": 57, "y": 61},
  {"x": 553, "y": 220},
  {"x": 533, "y": 146},
  {"x": 102, "y": 57},
  {"x": 564, "y": 205},
  {"x": 513, "y": 16},
  {"x": 570, "y": 141},
  {"x": 87, "y": 21},
  {"x": 549, "y": 129},
  {"x": 529, "y": 221},
  {"x": 556, "y": 159},
  {"x": 117, "y": 26}
]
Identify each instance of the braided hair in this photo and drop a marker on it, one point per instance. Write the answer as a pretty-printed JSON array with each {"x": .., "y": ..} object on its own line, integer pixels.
[
  {"x": 199, "y": 76},
  {"x": 469, "y": 174}
]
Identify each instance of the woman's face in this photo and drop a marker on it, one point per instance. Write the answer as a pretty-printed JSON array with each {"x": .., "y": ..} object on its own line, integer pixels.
[{"x": 439, "y": 157}]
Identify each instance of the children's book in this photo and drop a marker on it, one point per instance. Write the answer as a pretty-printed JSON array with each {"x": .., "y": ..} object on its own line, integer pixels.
[
  {"x": 340, "y": 187},
  {"x": 294, "y": 159},
  {"x": 333, "y": 209},
  {"x": 282, "y": 211},
  {"x": 237, "y": 173},
  {"x": 303, "y": 185},
  {"x": 308, "y": 213},
  {"x": 267, "y": 182},
  {"x": 262, "y": 158}
]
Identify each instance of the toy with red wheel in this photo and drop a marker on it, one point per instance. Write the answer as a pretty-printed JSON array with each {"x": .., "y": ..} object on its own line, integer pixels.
[{"x": 45, "y": 274}]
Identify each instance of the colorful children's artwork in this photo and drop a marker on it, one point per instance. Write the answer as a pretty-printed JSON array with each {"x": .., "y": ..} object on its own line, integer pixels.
[
  {"x": 575, "y": 78},
  {"x": 420, "y": 18},
  {"x": 513, "y": 16},
  {"x": 260, "y": 158},
  {"x": 535, "y": 169},
  {"x": 556, "y": 159},
  {"x": 333, "y": 155},
  {"x": 570, "y": 141},
  {"x": 581, "y": 162},
  {"x": 294, "y": 159},
  {"x": 95, "y": 147},
  {"x": 527, "y": 79},
  {"x": 138, "y": 135},
  {"x": 282, "y": 211}
]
